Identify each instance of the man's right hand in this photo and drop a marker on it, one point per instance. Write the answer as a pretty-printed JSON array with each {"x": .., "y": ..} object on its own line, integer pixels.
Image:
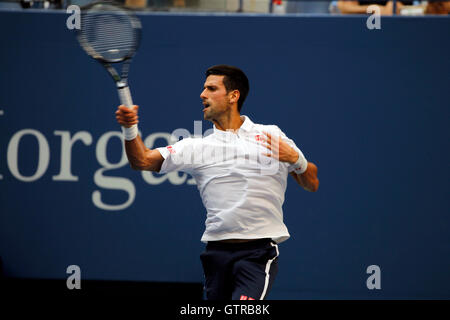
[
  {"x": 139, "y": 156},
  {"x": 127, "y": 117}
]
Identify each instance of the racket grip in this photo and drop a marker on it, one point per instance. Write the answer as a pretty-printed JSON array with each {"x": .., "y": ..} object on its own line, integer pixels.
[{"x": 125, "y": 96}]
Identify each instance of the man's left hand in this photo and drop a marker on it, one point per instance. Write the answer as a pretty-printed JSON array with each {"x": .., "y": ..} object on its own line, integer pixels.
[{"x": 279, "y": 148}]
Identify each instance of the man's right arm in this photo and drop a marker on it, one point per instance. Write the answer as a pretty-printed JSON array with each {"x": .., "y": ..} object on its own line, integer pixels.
[{"x": 139, "y": 156}]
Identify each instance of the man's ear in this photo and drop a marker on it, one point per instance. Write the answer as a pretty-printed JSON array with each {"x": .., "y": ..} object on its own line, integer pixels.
[{"x": 234, "y": 96}]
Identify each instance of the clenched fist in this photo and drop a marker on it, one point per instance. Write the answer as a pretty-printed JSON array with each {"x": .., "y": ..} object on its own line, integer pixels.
[{"x": 127, "y": 117}]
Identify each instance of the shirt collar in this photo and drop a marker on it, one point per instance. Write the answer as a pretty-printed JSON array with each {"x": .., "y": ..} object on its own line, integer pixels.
[{"x": 246, "y": 126}]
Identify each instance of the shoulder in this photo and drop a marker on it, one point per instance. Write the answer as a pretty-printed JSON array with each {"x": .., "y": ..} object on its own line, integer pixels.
[
  {"x": 176, "y": 147},
  {"x": 187, "y": 141},
  {"x": 271, "y": 128},
  {"x": 208, "y": 137}
]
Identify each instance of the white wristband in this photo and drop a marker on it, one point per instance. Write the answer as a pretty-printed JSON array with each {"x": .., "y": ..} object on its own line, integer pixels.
[
  {"x": 301, "y": 164},
  {"x": 130, "y": 133}
]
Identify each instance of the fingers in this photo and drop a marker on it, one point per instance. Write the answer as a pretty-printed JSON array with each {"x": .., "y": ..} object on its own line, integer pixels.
[
  {"x": 126, "y": 109},
  {"x": 126, "y": 123},
  {"x": 127, "y": 117},
  {"x": 270, "y": 143},
  {"x": 272, "y": 155},
  {"x": 268, "y": 136},
  {"x": 279, "y": 149}
]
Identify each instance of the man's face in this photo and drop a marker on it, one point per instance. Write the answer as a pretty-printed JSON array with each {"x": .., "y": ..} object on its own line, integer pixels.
[{"x": 214, "y": 97}]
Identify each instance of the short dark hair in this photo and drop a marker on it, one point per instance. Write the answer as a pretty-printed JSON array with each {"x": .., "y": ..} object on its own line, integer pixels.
[{"x": 234, "y": 79}]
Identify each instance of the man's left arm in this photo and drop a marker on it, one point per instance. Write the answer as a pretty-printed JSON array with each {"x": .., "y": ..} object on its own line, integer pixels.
[
  {"x": 282, "y": 151},
  {"x": 308, "y": 179}
]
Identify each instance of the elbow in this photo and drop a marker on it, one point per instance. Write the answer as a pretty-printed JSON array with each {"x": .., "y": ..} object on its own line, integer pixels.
[
  {"x": 144, "y": 166},
  {"x": 311, "y": 181},
  {"x": 315, "y": 186},
  {"x": 139, "y": 166},
  {"x": 134, "y": 167}
]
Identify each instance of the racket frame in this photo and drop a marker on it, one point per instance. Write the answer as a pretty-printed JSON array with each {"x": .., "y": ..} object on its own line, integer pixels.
[{"x": 121, "y": 80}]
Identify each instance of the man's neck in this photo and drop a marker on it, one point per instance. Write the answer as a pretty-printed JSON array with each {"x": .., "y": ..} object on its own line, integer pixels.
[{"x": 229, "y": 122}]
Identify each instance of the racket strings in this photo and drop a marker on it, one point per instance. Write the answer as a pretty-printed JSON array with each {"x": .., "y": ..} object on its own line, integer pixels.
[{"x": 111, "y": 36}]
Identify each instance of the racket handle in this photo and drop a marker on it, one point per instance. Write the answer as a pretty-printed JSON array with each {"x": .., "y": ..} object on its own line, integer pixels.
[{"x": 125, "y": 96}]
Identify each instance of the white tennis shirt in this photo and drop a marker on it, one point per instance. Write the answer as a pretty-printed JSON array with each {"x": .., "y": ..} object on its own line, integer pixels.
[{"x": 241, "y": 189}]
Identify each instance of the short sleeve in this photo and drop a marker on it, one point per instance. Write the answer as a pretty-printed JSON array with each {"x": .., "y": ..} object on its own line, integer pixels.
[
  {"x": 178, "y": 156},
  {"x": 292, "y": 144}
]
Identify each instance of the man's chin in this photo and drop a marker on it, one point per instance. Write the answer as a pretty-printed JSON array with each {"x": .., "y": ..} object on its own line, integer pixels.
[{"x": 206, "y": 117}]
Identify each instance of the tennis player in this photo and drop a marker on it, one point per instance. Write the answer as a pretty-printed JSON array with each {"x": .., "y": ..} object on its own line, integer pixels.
[{"x": 241, "y": 172}]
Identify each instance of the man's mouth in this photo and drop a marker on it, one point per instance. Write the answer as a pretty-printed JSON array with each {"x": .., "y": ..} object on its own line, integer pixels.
[{"x": 206, "y": 105}]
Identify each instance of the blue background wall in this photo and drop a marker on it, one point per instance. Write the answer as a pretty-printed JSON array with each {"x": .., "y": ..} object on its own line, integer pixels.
[{"x": 370, "y": 108}]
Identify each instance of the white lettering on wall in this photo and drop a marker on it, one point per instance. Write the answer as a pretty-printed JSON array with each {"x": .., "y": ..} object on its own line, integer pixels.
[
  {"x": 43, "y": 155},
  {"x": 67, "y": 142},
  {"x": 107, "y": 182}
]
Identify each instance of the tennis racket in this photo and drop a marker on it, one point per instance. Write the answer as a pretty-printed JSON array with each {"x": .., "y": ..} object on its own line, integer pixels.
[{"x": 110, "y": 34}]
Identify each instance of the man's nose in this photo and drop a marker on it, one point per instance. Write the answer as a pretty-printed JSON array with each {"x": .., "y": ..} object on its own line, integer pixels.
[{"x": 202, "y": 95}]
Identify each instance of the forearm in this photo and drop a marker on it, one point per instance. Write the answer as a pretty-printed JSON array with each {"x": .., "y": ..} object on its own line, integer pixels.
[
  {"x": 137, "y": 153},
  {"x": 308, "y": 179},
  {"x": 139, "y": 156}
]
